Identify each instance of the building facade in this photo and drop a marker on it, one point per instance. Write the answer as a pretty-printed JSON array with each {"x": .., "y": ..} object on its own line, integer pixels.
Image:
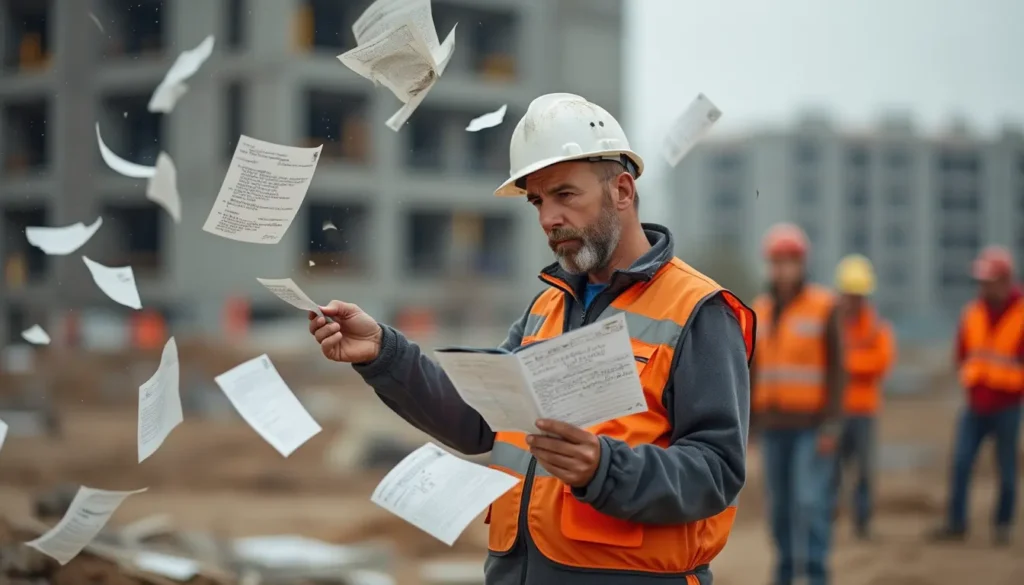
[
  {"x": 921, "y": 207},
  {"x": 418, "y": 226}
]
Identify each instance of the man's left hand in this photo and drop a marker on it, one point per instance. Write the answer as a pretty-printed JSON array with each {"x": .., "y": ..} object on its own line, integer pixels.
[{"x": 572, "y": 454}]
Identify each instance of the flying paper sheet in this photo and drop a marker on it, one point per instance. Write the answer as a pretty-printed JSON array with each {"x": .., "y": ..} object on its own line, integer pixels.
[
  {"x": 162, "y": 187},
  {"x": 262, "y": 191},
  {"x": 61, "y": 241},
  {"x": 329, "y": 225},
  {"x": 584, "y": 377},
  {"x": 439, "y": 493},
  {"x": 88, "y": 513},
  {"x": 397, "y": 47},
  {"x": 119, "y": 165},
  {"x": 96, "y": 21},
  {"x": 172, "y": 567},
  {"x": 116, "y": 283},
  {"x": 3, "y": 433},
  {"x": 289, "y": 292},
  {"x": 35, "y": 334},
  {"x": 690, "y": 128},
  {"x": 489, "y": 120},
  {"x": 258, "y": 393},
  {"x": 173, "y": 85},
  {"x": 160, "y": 402}
]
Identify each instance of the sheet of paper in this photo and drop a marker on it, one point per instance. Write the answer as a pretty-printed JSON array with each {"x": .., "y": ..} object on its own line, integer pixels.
[
  {"x": 86, "y": 516},
  {"x": 439, "y": 493},
  {"x": 117, "y": 283},
  {"x": 61, "y": 241},
  {"x": 162, "y": 187},
  {"x": 587, "y": 376},
  {"x": 3, "y": 433},
  {"x": 173, "y": 85},
  {"x": 690, "y": 128},
  {"x": 160, "y": 402},
  {"x": 384, "y": 16},
  {"x": 329, "y": 225},
  {"x": 489, "y": 120},
  {"x": 399, "y": 60},
  {"x": 262, "y": 191},
  {"x": 97, "y": 22},
  {"x": 289, "y": 292},
  {"x": 493, "y": 385},
  {"x": 266, "y": 403},
  {"x": 119, "y": 165},
  {"x": 36, "y": 334},
  {"x": 399, "y": 118},
  {"x": 172, "y": 567}
]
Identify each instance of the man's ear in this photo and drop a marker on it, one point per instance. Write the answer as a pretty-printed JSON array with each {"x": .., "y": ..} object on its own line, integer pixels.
[{"x": 624, "y": 188}]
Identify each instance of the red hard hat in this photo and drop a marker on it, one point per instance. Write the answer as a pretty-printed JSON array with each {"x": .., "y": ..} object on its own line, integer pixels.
[
  {"x": 783, "y": 239},
  {"x": 993, "y": 263}
]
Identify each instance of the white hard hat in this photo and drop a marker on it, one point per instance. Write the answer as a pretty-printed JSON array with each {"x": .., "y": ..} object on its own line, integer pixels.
[{"x": 560, "y": 127}]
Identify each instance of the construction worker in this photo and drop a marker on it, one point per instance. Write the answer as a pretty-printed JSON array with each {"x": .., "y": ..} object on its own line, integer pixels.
[
  {"x": 643, "y": 499},
  {"x": 870, "y": 351},
  {"x": 990, "y": 358},
  {"x": 797, "y": 401}
]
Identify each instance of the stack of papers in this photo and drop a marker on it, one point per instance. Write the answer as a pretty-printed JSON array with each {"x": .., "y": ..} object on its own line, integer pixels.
[{"x": 399, "y": 49}]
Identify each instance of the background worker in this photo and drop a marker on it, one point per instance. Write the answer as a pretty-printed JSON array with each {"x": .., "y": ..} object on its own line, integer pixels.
[
  {"x": 990, "y": 357},
  {"x": 643, "y": 499},
  {"x": 870, "y": 348},
  {"x": 798, "y": 389}
]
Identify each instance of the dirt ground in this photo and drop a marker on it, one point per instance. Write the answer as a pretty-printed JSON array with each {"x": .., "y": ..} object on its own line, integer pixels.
[{"x": 219, "y": 476}]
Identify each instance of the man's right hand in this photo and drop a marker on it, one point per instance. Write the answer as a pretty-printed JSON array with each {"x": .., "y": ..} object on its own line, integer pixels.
[{"x": 354, "y": 336}]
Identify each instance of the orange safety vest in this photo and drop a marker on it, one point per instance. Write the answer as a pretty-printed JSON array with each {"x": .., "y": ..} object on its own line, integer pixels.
[
  {"x": 572, "y": 533},
  {"x": 870, "y": 348},
  {"x": 993, "y": 351},
  {"x": 791, "y": 355}
]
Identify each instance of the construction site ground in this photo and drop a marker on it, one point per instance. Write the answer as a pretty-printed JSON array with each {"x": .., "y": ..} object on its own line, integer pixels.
[{"x": 219, "y": 477}]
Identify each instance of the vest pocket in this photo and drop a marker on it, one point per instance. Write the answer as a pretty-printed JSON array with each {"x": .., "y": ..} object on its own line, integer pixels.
[{"x": 582, "y": 523}]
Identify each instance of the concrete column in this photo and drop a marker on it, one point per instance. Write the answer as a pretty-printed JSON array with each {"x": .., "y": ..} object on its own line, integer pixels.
[
  {"x": 275, "y": 23},
  {"x": 388, "y": 239},
  {"x": 72, "y": 140}
]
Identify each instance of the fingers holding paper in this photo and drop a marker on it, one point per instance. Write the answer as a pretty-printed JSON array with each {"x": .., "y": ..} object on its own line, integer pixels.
[
  {"x": 565, "y": 451},
  {"x": 351, "y": 335}
]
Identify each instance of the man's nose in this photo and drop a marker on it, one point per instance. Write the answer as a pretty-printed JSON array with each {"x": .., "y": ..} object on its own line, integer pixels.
[{"x": 551, "y": 218}]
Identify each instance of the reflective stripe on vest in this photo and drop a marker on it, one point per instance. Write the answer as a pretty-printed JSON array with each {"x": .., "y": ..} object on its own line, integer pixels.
[
  {"x": 993, "y": 351},
  {"x": 573, "y": 533},
  {"x": 791, "y": 356}
]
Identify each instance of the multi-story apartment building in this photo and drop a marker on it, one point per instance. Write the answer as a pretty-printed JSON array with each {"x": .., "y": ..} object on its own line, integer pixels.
[
  {"x": 417, "y": 223},
  {"x": 920, "y": 207}
]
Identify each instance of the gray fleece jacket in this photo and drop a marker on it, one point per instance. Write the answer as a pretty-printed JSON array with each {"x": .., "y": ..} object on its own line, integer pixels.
[{"x": 696, "y": 477}]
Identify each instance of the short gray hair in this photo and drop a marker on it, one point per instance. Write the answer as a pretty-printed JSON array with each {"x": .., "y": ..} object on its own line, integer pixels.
[{"x": 606, "y": 170}]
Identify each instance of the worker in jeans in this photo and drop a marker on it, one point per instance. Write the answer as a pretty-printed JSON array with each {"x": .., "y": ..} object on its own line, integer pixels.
[
  {"x": 870, "y": 352},
  {"x": 990, "y": 358},
  {"x": 797, "y": 401},
  {"x": 645, "y": 499}
]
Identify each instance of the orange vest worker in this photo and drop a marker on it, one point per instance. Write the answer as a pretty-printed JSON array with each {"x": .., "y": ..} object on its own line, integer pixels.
[
  {"x": 992, "y": 352},
  {"x": 571, "y": 532},
  {"x": 870, "y": 352},
  {"x": 791, "y": 355}
]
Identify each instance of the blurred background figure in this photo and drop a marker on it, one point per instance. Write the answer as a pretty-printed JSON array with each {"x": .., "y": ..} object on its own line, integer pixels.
[
  {"x": 797, "y": 391},
  {"x": 870, "y": 347},
  {"x": 990, "y": 358}
]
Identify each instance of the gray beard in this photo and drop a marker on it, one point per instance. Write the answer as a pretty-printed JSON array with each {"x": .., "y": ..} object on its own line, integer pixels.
[{"x": 594, "y": 254}]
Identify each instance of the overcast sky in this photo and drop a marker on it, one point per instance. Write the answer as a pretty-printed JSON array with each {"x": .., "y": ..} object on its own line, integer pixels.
[{"x": 762, "y": 61}]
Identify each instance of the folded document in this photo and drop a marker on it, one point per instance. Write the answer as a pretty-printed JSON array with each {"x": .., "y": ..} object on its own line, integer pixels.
[{"x": 583, "y": 377}]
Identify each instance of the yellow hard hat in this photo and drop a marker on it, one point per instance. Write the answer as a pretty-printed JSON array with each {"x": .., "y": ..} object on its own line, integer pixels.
[{"x": 855, "y": 275}]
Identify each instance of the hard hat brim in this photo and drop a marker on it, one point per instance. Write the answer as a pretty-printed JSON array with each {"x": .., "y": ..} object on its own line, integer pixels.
[{"x": 510, "y": 189}]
